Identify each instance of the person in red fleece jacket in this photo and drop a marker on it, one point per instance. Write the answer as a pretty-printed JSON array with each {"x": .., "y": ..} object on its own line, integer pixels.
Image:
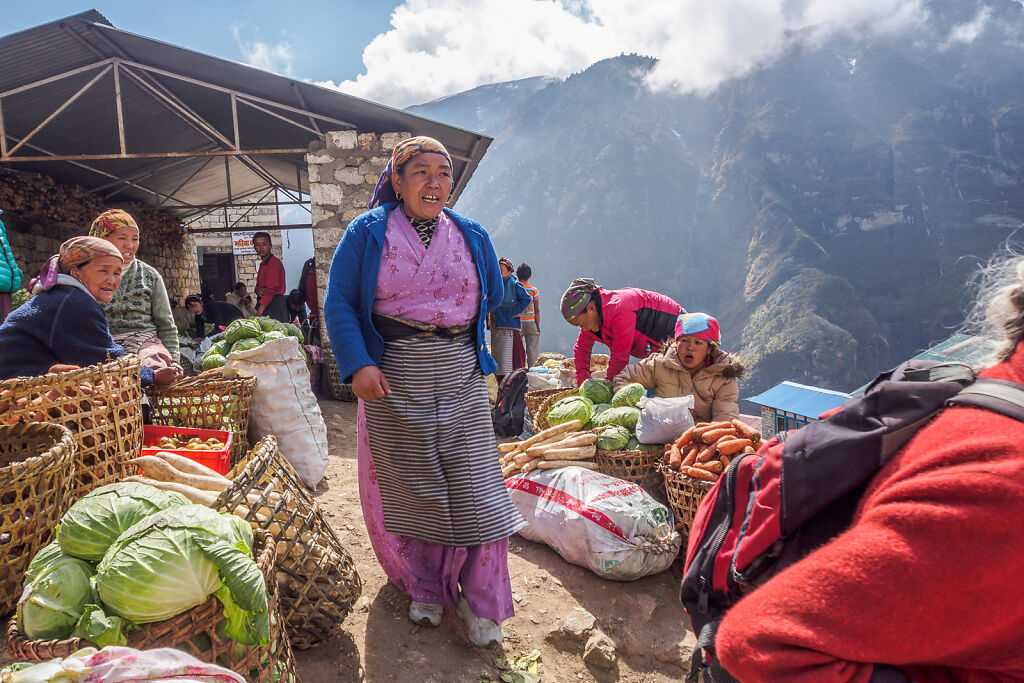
[
  {"x": 924, "y": 581},
  {"x": 628, "y": 321}
]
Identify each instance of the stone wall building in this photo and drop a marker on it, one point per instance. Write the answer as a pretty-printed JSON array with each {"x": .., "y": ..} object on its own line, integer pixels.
[{"x": 343, "y": 171}]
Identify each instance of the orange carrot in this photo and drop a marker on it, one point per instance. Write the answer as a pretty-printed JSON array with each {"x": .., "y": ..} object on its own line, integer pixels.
[
  {"x": 746, "y": 430},
  {"x": 698, "y": 473},
  {"x": 716, "y": 434},
  {"x": 733, "y": 446}
]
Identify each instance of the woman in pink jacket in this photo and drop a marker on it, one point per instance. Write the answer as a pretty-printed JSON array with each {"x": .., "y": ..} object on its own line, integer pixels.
[{"x": 628, "y": 321}]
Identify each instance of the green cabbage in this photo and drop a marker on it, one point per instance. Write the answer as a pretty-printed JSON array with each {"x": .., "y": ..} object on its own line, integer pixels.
[
  {"x": 294, "y": 331},
  {"x": 268, "y": 324},
  {"x": 632, "y": 444},
  {"x": 613, "y": 438},
  {"x": 570, "y": 408},
  {"x": 243, "y": 329},
  {"x": 596, "y": 390},
  {"x": 601, "y": 407},
  {"x": 97, "y": 519},
  {"x": 624, "y": 416},
  {"x": 650, "y": 447},
  {"x": 246, "y": 344},
  {"x": 275, "y": 334},
  {"x": 176, "y": 559},
  {"x": 222, "y": 347},
  {"x": 213, "y": 360},
  {"x": 53, "y": 602},
  {"x": 628, "y": 395},
  {"x": 44, "y": 557}
]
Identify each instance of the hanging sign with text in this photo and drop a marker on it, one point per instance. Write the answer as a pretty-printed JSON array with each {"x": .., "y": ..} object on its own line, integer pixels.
[{"x": 241, "y": 243}]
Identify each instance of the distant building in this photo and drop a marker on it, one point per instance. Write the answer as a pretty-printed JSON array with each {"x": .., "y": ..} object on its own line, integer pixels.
[{"x": 790, "y": 406}]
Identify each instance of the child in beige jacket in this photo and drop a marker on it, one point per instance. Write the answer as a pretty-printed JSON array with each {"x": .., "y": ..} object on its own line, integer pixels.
[{"x": 693, "y": 364}]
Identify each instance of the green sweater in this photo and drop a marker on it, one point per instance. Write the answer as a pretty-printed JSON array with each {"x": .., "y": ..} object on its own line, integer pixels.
[{"x": 140, "y": 304}]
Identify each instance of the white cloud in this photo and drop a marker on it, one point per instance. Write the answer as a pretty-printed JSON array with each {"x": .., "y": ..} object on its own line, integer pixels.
[
  {"x": 276, "y": 57},
  {"x": 967, "y": 32},
  {"x": 439, "y": 47}
]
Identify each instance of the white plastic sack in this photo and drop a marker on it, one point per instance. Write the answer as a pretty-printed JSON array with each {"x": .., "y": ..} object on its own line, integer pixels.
[
  {"x": 284, "y": 405},
  {"x": 114, "y": 664},
  {"x": 663, "y": 420},
  {"x": 608, "y": 525},
  {"x": 536, "y": 381}
]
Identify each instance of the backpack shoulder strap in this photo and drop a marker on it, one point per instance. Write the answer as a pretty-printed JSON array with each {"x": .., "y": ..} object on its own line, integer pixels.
[{"x": 997, "y": 395}]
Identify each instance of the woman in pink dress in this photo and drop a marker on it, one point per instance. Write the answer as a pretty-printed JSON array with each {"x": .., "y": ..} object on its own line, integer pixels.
[{"x": 409, "y": 290}]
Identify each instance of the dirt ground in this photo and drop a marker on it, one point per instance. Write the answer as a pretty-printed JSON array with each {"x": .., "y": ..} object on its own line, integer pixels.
[
  {"x": 553, "y": 602},
  {"x": 642, "y": 618}
]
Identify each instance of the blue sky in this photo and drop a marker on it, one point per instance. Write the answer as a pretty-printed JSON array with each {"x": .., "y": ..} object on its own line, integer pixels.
[
  {"x": 412, "y": 51},
  {"x": 325, "y": 39}
]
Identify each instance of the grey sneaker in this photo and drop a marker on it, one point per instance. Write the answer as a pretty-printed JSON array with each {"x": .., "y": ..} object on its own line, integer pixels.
[
  {"x": 425, "y": 613},
  {"x": 482, "y": 632}
]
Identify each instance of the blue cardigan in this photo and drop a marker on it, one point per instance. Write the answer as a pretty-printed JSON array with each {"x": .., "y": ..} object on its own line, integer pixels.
[
  {"x": 507, "y": 315},
  {"x": 352, "y": 284},
  {"x": 60, "y": 325}
]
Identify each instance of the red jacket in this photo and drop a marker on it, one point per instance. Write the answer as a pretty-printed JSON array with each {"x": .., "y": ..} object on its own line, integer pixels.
[
  {"x": 926, "y": 579},
  {"x": 270, "y": 279},
  {"x": 633, "y": 322}
]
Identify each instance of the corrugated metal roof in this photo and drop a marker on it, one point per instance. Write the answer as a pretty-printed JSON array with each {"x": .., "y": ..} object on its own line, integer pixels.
[
  {"x": 800, "y": 399},
  {"x": 196, "y": 82}
]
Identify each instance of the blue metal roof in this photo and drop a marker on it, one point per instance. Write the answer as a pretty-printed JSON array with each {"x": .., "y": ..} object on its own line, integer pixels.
[{"x": 800, "y": 399}]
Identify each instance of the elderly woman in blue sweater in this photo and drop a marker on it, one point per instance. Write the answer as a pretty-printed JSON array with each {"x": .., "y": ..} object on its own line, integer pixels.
[{"x": 64, "y": 322}]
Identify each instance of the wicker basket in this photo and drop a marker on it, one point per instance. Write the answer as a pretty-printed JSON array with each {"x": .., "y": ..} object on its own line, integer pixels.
[
  {"x": 106, "y": 425},
  {"x": 319, "y": 583},
  {"x": 639, "y": 467},
  {"x": 339, "y": 390},
  {"x": 209, "y": 401},
  {"x": 541, "y": 421},
  {"x": 36, "y": 476},
  {"x": 684, "y": 495},
  {"x": 534, "y": 399},
  {"x": 194, "y": 632}
]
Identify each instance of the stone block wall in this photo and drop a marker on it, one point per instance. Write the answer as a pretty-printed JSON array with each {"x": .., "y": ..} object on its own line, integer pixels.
[
  {"x": 343, "y": 171},
  {"x": 34, "y": 240}
]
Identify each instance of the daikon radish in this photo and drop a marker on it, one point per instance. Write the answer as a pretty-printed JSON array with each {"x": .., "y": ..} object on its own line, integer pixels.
[
  {"x": 156, "y": 468},
  {"x": 576, "y": 453},
  {"x": 189, "y": 466}
]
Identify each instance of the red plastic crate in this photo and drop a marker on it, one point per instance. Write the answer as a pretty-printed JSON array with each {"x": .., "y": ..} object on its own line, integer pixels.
[{"x": 219, "y": 460}]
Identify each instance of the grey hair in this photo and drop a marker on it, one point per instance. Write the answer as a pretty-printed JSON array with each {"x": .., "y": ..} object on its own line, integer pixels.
[{"x": 998, "y": 312}]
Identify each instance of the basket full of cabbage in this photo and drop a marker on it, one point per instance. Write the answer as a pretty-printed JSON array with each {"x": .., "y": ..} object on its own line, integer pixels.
[
  {"x": 619, "y": 454},
  {"x": 248, "y": 333},
  {"x": 135, "y": 565}
]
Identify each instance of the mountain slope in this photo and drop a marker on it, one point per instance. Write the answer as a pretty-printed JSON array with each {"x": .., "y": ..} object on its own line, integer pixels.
[{"x": 828, "y": 209}]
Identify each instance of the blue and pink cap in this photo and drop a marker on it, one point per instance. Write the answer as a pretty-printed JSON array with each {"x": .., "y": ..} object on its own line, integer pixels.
[{"x": 700, "y": 325}]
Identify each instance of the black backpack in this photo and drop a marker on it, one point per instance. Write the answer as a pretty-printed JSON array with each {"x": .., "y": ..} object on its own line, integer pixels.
[
  {"x": 775, "y": 506},
  {"x": 510, "y": 408}
]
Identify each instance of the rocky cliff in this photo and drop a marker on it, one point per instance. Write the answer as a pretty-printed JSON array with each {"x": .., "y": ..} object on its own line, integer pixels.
[{"x": 827, "y": 208}]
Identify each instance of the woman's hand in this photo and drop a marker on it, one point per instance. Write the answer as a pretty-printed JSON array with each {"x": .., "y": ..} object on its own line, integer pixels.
[
  {"x": 370, "y": 384},
  {"x": 165, "y": 376}
]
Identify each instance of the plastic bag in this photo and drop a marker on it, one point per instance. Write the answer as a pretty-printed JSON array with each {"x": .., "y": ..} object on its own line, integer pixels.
[
  {"x": 115, "y": 664},
  {"x": 283, "y": 404},
  {"x": 663, "y": 420},
  {"x": 608, "y": 525}
]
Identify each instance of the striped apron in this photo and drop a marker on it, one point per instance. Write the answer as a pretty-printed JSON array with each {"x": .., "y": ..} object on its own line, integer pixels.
[{"x": 433, "y": 446}]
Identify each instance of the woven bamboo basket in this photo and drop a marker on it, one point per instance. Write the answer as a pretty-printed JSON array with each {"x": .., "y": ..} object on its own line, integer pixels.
[
  {"x": 208, "y": 401},
  {"x": 196, "y": 632},
  {"x": 37, "y": 473},
  {"x": 339, "y": 390},
  {"x": 534, "y": 400},
  {"x": 318, "y": 579},
  {"x": 639, "y": 467},
  {"x": 105, "y": 423},
  {"x": 684, "y": 495},
  {"x": 541, "y": 421}
]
